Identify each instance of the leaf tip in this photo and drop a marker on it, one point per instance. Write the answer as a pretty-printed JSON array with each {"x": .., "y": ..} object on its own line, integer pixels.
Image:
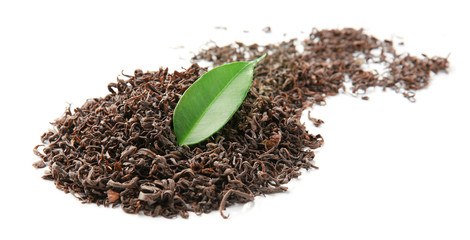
[
  {"x": 256, "y": 61},
  {"x": 180, "y": 141},
  {"x": 183, "y": 140}
]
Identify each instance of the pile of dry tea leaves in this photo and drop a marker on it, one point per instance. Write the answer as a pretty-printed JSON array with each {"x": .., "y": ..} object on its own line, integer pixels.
[{"x": 121, "y": 149}]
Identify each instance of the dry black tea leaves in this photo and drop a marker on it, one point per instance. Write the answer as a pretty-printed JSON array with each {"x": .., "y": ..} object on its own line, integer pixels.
[
  {"x": 331, "y": 58},
  {"x": 121, "y": 150}
]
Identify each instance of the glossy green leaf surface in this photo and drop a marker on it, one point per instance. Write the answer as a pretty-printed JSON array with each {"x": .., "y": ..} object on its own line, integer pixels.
[{"x": 211, "y": 101}]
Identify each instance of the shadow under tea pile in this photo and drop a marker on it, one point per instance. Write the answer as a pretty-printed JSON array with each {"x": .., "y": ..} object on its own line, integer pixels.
[{"x": 121, "y": 149}]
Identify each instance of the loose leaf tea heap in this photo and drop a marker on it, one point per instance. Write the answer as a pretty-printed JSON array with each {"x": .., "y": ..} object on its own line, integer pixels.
[{"x": 121, "y": 149}]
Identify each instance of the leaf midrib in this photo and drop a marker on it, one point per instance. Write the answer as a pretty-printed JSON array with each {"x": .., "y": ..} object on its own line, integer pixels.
[{"x": 212, "y": 102}]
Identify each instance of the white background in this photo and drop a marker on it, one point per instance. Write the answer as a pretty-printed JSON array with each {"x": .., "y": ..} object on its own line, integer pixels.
[{"x": 389, "y": 169}]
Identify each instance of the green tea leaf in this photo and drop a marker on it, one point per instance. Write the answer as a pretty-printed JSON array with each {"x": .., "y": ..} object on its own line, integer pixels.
[{"x": 211, "y": 101}]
